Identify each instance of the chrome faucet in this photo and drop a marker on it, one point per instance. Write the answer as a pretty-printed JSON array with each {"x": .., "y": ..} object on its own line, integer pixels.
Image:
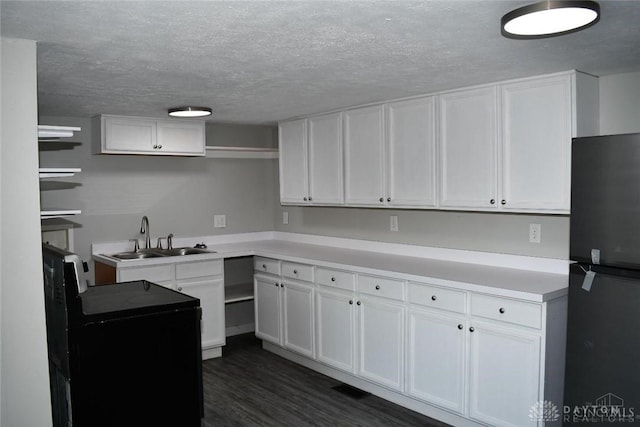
[
  {"x": 144, "y": 229},
  {"x": 170, "y": 241}
]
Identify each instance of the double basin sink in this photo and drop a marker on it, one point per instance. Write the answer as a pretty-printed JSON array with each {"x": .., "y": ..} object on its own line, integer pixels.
[{"x": 158, "y": 253}]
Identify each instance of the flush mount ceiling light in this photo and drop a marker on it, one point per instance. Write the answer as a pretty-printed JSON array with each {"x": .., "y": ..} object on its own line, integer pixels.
[
  {"x": 190, "y": 112},
  {"x": 549, "y": 19}
]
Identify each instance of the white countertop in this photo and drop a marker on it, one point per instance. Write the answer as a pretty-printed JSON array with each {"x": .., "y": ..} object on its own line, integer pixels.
[{"x": 527, "y": 284}]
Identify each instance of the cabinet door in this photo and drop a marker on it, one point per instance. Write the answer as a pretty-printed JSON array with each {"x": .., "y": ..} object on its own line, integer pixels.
[
  {"x": 468, "y": 148},
  {"x": 536, "y": 144},
  {"x": 504, "y": 375},
  {"x": 381, "y": 343},
  {"x": 411, "y": 153},
  {"x": 181, "y": 138},
  {"x": 325, "y": 160},
  {"x": 266, "y": 291},
  {"x": 437, "y": 359},
  {"x": 129, "y": 136},
  {"x": 298, "y": 317},
  {"x": 335, "y": 329},
  {"x": 364, "y": 156},
  {"x": 293, "y": 161},
  {"x": 211, "y": 296}
]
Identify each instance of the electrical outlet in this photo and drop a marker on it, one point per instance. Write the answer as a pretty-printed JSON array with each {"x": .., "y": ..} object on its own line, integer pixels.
[
  {"x": 285, "y": 217},
  {"x": 393, "y": 222},
  {"x": 219, "y": 221},
  {"x": 534, "y": 233}
]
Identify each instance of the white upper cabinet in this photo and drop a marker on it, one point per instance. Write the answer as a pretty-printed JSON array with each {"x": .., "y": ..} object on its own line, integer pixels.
[
  {"x": 148, "y": 136},
  {"x": 293, "y": 161},
  {"x": 468, "y": 148},
  {"x": 311, "y": 160},
  {"x": 364, "y": 156},
  {"x": 497, "y": 147},
  {"x": 536, "y": 129},
  {"x": 325, "y": 159},
  {"x": 411, "y": 153}
]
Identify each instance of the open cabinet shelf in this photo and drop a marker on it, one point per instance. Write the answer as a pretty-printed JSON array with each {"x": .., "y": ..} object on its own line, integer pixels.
[
  {"x": 238, "y": 293},
  {"x": 227, "y": 152}
]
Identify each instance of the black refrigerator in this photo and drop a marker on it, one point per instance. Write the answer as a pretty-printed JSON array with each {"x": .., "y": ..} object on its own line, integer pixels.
[{"x": 602, "y": 375}]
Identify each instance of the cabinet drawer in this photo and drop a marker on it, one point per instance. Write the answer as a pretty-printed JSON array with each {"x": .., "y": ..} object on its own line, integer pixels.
[
  {"x": 518, "y": 312},
  {"x": 436, "y": 297},
  {"x": 337, "y": 279},
  {"x": 154, "y": 273},
  {"x": 297, "y": 271},
  {"x": 190, "y": 270},
  {"x": 379, "y": 286},
  {"x": 266, "y": 265}
]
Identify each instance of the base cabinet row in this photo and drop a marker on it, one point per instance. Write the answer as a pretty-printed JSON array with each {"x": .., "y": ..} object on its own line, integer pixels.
[{"x": 485, "y": 371}]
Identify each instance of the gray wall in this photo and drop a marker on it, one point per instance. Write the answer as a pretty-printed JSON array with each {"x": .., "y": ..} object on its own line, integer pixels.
[
  {"x": 24, "y": 371},
  {"x": 503, "y": 233},
  {"x": 180, "y": 195}
]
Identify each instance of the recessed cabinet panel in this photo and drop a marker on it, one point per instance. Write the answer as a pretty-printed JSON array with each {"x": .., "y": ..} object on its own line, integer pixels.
[
  {"x": 298, "y": 317},
  {"x": 537, "y": 141},
  {"x": 468, "y": 149},
  {"x": 364, "y": 156},
  {"x": 436, "y": 370},
  {"x": 335, "y": 330},
  {"x": 504, "y": 375},
  {"x": 183, "y": 138},
  {"x": 208, "y": 292},
  {"x": 267, "y": 308},
  {"x": 381, "y": 343},
  {"x": 325, "y": 159},
  {"x": 293, "y": 161},
  {"x": 411, "y": 153},
  {"x": 129, "y": 135}
]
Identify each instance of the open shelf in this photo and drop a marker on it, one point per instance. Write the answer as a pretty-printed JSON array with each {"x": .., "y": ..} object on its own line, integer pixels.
[
  {"x": 238, "y": 292},
  {"x": 57, "y": 172},
  {"x": 53, "y": 133},
  {"x": 227, "y": 152},
  {"x": 58, "y": 213}
]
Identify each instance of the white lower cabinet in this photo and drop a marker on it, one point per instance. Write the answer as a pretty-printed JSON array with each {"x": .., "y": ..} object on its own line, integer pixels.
[
  {"x": 335, "y": 329},
  {"x": 504, "y": 375},
  {"x": 436, "y": 358},
  {"x": 200, "y": 279},
  {"x": 381, "y": 341},
  {"x": 461, "y": 356},
  {"x": 266, "y": 291}
]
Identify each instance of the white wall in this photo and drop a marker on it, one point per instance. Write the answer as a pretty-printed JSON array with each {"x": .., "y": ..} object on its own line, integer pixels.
[
  {"x": 180, "y": 195},
  {"x": 620, "y": 103},
  {"x": 24, "y": 372}
]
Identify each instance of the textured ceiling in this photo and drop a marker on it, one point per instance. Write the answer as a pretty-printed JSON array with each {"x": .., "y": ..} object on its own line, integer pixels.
[{"x": 259, "y": 62}]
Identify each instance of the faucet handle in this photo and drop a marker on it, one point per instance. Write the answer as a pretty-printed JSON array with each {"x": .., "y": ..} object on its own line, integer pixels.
[
  {"x": 170, "y": 241},
  {"x": 136, "y": 244},
  {"x": 159, "y": 244}
]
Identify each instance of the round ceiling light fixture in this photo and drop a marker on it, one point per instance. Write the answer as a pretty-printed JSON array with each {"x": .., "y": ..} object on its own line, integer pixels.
[
  {"x": 549, "y": 19},
  {"x": 190, "y": 112}
]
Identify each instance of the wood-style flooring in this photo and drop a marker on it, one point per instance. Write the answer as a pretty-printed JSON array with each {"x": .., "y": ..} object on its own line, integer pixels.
[{"x": 249, "y": 386}]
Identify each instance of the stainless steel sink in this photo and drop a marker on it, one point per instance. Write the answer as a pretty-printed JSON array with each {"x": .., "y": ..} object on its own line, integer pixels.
[
  {"x": 181, "y": 251},
  {"x": 136, "y": 255},
  {"x": 159, "y": 253}
]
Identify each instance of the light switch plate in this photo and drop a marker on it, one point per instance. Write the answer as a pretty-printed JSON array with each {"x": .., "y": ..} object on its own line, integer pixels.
[
  {"x": 393, "y": 222},
  {"x": 285, "y": 217},
  {"x": 219, "y": 221}
]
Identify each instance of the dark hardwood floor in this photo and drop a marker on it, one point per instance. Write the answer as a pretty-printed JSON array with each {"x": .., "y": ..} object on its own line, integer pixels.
[{"x": 249, "y": 386}]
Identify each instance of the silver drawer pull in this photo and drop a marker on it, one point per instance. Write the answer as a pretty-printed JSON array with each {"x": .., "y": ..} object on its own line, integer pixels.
[
  {"x": 433, "y": 298},
  {"x": 333, "y": 279},
  {"x": 295, "y": 271},
  {"x": 377, "y": 287},
  {"x": 501, "y": 310},
  {"x": 264, "y": 266}
]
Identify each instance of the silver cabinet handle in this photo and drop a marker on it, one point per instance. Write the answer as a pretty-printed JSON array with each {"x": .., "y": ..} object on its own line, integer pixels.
[
  {"x": 504, "y": 202},
  {"x": 471, "y": 329},
  {"x": 155, "y": 146},
  {"x": 501, "y": 310},
  {"x": 358, "y": 303},
  {"x": 179, "y": 288},
  {"x": 433, "y": 298},
  {"x": 276, "y": 284},
  {"x": 388, "y": 199},
  {"x": 351, "y": 301},
  {"x": 377, "y": 287},
  {"x": 304, "y": 198},
  {"x": 492, "y": 201},
  {"x": 310, "y": 198},
  {"x": 295, "y": 272},
  {"x": 159, "y": 146},
  {"x": 333, "y": 279},
  {"x": 381, "y": 199},
  {"x": 460, "y": 326},
  {"x": 281, "y": 285},
  {"x": 264, "y": 266}
]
